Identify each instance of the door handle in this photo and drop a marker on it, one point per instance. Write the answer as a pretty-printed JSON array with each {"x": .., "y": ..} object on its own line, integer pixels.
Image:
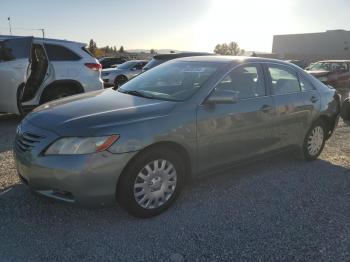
[
  {"x": 313, "y": 99},
  {"x": 266, "y": 108}
]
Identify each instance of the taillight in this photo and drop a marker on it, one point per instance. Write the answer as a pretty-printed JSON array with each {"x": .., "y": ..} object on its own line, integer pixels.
[{"x": 94, "y": 66}]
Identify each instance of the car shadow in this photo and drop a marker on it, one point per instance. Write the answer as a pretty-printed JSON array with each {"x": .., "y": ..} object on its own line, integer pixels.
[
  {"x": 8, "y": 125},
  {"x": 269, "y": 200}
]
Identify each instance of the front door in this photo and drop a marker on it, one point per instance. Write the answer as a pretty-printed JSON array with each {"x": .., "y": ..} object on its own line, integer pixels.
[
  {"x": 230, "y": 132},
  {"x": 14, "y": 61}
]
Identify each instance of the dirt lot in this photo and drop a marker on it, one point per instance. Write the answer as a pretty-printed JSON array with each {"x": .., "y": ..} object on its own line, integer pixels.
[{"x": 276, "y": 209}]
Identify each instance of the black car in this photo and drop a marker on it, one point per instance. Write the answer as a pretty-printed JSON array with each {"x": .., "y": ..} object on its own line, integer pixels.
[
  {"x": 160, "y": 59},
  {"x": 109, "y": 62}
]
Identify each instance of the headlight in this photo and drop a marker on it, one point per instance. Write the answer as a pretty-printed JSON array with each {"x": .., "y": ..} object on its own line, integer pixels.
[
  {"x": 105, "y": 74},
  {"x": 323, "y": 79},
  {"x": 80, "y": 145}
]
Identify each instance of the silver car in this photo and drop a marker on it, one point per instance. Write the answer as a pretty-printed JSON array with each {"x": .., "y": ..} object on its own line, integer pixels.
[
  {"x": 186, "y": 118},
  {"x": 34, "y": 71},
  {"x": 122, "y": 73}
]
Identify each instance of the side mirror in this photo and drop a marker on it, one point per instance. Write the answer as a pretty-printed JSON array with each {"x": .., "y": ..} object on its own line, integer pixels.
[
  {"x": 223, "y": 97},
  {"x": 133, "y": 69}
]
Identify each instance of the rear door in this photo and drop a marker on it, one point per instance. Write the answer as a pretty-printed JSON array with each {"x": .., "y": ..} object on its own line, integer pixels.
[
  {"x": 14, "y": 61},
  {"x": 64, "y": 63},
  {"x": 294, "y": 107}
]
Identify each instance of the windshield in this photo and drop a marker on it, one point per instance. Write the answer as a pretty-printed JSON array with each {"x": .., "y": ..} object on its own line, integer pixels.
[
  {"x": 328, "y": 66},
  {"x": 176, "y": 81},
  {"x": 127, "y": 65}
]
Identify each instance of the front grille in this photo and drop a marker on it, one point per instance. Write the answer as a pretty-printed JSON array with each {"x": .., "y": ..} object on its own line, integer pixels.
[{"x": 27, "y": 141}]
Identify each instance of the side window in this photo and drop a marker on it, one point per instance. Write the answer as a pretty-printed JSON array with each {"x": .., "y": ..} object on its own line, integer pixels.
[
  {"x": 16, "y": 48},
  {"x": 60, "y": 53},
  {"x": 139, "y": 66},
  {"x": 283, "y": 81},
  {"x": 247, "y": 81},
  {"x": 305, "y": 84}
]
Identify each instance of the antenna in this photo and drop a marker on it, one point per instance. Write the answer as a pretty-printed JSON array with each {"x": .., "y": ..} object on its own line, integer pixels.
[{"x": 9, "y": 19}]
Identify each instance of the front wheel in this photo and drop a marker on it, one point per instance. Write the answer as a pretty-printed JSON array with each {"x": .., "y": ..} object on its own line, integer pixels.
[
  {"x": 151, "y": 183},
  {"x": 314, "y": 141},
  {"x": 119, "y": 81}
]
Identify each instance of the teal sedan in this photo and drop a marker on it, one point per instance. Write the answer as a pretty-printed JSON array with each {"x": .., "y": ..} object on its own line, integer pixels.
[{"x": 189, "y": 117}]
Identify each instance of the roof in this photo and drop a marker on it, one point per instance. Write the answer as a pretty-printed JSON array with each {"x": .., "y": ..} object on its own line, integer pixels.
[
  {"x": 328, "y": 32},
  {"x": 137, "y": 61},
  {"x": 334, "y": 61},
  {"x": 4, "y": 37},
  {"x": 232, "y": 59},
  {"x": 179, "y": 55}
]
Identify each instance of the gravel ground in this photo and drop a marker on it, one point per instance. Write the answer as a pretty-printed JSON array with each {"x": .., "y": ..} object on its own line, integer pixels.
[{"x": 272, "y": 210}]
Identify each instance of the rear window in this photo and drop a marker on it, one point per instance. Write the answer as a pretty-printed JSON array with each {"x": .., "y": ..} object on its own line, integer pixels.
[
  {"x": 87, "y": 51},
  {"x": 60, "y": 53},
  {"x": 153, "y": 63}
]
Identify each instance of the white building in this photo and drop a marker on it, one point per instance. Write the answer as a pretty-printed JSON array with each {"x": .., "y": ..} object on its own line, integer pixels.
[{"x": 332, "y": 44}]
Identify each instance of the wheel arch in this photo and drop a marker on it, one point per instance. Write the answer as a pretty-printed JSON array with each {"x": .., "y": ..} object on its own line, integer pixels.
[
  {"x": 330, "y": 123},
  {"x": 61, "y": 83},
  {"x": 177, "y": 147},
  {"x": 121, "y": 75}
]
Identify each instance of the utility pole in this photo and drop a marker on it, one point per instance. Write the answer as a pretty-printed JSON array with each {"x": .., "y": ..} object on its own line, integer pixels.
[
  {"x": 43, "y": 32},
  {"x": 9, "y": 19}
]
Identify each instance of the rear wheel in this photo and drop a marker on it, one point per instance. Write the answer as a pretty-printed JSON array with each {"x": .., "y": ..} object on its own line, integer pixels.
[
  {"x": 120, "y": 80},
  {"x": 151, "y": 182},
  {"x": 314, "y": 141}
]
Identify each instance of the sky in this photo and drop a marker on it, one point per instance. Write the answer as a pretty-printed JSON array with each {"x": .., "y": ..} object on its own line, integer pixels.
[{"x": 187, "y": 25}]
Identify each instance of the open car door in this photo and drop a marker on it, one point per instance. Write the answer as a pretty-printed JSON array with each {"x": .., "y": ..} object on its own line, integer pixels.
[{"x": 14, "y": 62}]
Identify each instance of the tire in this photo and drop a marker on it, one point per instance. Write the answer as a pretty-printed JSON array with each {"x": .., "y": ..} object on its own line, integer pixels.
[
  {"x": 21, "y": 110},
  {"x": 119, "y": 81},
  {"x": 57, "y": 93},
  {"x": 345, "y": 110},
  {"x": 314, "y": 141},
  {"x": 145, "y": 194}
]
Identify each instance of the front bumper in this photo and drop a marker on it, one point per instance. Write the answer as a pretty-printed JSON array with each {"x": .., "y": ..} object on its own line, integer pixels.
[{"x": 87, "y": 180}]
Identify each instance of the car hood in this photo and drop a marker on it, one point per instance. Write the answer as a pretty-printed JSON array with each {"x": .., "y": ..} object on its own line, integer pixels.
[
  {"x": 96, "y": 113},
  {"x": 319, "y": 73}
]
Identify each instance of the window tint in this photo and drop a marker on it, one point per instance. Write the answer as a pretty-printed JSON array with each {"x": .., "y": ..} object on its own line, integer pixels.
[
  {"x": 176, "y": 81},
  {"x": 60, "y": 53},
  {"x": 139, "y": 66},
  {"x": 245, "y": 80},
  {"x": 305, "y": 84},
  {"x": 16, "y": 48},
  {"x": 87, "y": 51},
  {"x": 283, "y": 81}
]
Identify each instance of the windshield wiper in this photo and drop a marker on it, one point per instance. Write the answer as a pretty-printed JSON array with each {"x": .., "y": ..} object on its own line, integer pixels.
[{"x": 135, "y": 93}]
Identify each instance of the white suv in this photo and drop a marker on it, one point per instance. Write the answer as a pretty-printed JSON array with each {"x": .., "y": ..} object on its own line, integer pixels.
[{"x": 37, "y": 70}]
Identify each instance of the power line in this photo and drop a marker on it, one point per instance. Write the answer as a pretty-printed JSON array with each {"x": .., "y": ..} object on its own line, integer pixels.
[{"x": 26, "y": 29}]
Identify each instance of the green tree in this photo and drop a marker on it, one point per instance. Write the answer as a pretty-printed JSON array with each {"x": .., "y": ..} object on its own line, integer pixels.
[
  {"x": 231, "y": 48},
  {"x": 121, "y": 49},
  {"x": 92, "y": 46},
  {"x": 152, "y": 51}
]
